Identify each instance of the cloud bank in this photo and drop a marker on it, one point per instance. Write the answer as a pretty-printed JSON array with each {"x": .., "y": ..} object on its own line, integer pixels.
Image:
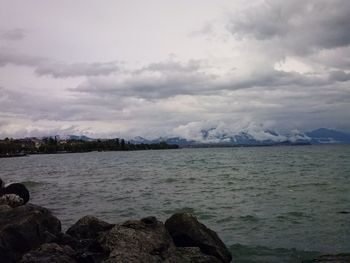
[{"x": 266, "y": 65}]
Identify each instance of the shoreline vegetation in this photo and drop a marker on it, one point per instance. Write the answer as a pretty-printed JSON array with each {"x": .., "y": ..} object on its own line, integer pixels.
[
  {"x": 54, "y": 145},
  {"x": 23, "y": 147}
]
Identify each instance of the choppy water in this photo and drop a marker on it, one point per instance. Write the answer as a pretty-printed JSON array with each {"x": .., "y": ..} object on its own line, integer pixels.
[{"x": 269, "y": 204}]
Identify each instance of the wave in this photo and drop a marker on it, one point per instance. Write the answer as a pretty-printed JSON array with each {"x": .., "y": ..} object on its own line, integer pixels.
[
  {"x": 260, "y": 254},
  {"x": 32, "y": 184},
  {"x": 249, "y": 218},
  {"x": 307, "y": 184},
  {"x": 180, "y": 210},
  {"x": 170, "y": 180}
]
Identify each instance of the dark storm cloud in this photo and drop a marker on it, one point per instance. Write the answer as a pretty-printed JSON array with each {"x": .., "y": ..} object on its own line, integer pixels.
[
  {"x": 167, "y": 79},
  {"x": 299, "y": 26},
  {"x": 277, "y": 79},
  {"x": 15, "y": 58},
  {"x": 149, "y": 87},
  {"x": 49, "y": 67},
  {"x": 13, "y": 34},
  {"x": 339, "y": 76},
  {"x": 154, "y": 81}
]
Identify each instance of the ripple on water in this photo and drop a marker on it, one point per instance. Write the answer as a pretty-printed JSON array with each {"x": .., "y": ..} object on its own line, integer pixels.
[
  {"x": 249, "y": 218},
  {"x": 261, "y": 254},
  {"x": 205, "y": 216},
  {"x": 33, "y": 184},
  {"x": 297, "y": 214},
  {"x": 294, "y": 217},
  {"x": 170, "y": 180},
  {"x": 225, "y": 219},
  {"x": 307, "y": 184},
  {"x": 180, "y": 210}
]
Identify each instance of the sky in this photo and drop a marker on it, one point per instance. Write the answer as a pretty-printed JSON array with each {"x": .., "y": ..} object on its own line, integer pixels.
[{"x": 162, "y": 68}]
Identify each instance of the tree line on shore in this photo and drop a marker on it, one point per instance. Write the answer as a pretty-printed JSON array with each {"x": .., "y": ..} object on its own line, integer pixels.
[{"x": 52, "y": 145}]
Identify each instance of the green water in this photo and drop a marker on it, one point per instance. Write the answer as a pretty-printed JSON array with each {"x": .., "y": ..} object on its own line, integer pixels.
[{"x": 268, "y": 204}]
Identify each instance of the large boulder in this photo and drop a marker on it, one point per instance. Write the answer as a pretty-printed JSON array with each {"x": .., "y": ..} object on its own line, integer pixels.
[
  {"x": 31, "y": 233},
  {"x": 86, "y": 231},
  {"x": 88, "y": 227},
  {"x": 144, "y": 240},
  {"x": 147, "y": 240},
  {"x": 50, "y": 253},
  {"x": 24, "y": 228},
  {"x": 186, "y": 231}
]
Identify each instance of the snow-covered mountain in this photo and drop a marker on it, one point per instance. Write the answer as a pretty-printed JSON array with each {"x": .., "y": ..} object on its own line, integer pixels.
[
  {"x": 256, "y": 137},
  {"x": 215, "y": 136}
]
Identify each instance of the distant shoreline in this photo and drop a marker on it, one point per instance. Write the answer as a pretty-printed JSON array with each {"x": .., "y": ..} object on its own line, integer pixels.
[
  {"x": 12, "y": 155},
  {"x": 22, "y": 147},
  {"x": 199, "y": 146}
]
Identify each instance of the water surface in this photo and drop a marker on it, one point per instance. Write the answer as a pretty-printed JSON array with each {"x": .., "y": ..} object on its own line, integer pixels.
[{"x": 268, "y": 204}]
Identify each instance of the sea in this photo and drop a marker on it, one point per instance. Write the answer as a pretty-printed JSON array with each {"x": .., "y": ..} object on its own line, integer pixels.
[{"x": 268, "y": 204}]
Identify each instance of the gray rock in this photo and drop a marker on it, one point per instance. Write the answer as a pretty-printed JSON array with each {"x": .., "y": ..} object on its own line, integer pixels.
[
  {"x": 24, "y": 228},
  {"x": 88, "y": 227},
  {"x": 189, "y": 255},
  {"x": 143, "y": 240},
  {"x": 65, "y": 239},
  {"x": 50, "y": 253},
  {"x": 133, "y": 257},
  {"x": 186, "y": 231},
  {"x": 31, "y": 233},
  {"x": 85, "y": 232},
  {"x": 148, "y": 241}
]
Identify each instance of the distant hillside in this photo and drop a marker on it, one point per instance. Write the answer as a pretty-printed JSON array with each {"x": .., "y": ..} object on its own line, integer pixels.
[
  {"x": 324, "y": 135},
  {"x": 79, "y": 138}
]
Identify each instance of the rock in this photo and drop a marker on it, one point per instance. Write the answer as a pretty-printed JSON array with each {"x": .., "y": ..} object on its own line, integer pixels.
[
  {"x": 24, "y": 228},
  {"x": 147, "y": 240},
  {"x": 31, "y": 234},
  {"x": 186, "y": 231},
  {"x": 133, "y": 257},
  {"x": 88, "y": 227},
  {"x": 50, "y": 253},
  {"x": 339, "y": 258},
  {"x": 143, "y": 240},
  {"x": 83, "y": 238},
  {"x": 189, "y": 255},
  {"x": 65, "y": 239}
]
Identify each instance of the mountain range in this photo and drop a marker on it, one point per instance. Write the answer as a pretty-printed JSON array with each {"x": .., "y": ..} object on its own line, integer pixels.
[
  {"x": 213, "y": 137},
  {"x": 250, "y": 138}
]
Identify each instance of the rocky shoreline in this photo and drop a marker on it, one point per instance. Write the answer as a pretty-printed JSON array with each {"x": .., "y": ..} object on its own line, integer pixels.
[{"x": 31, "y": 233}]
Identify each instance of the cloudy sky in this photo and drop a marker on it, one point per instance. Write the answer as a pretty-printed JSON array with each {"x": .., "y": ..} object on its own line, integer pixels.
[{"x": 171, "y": 68}]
